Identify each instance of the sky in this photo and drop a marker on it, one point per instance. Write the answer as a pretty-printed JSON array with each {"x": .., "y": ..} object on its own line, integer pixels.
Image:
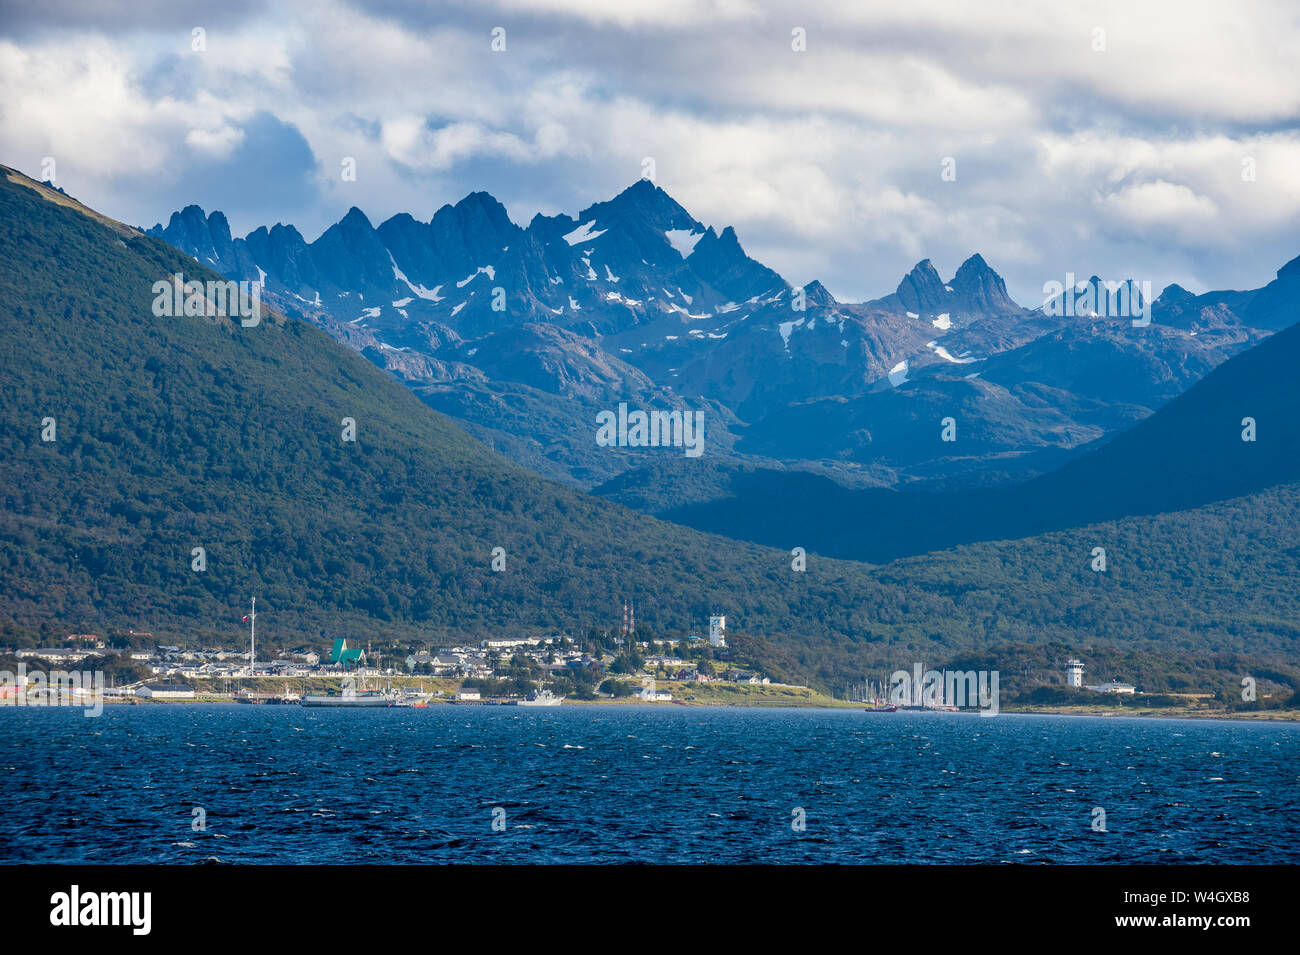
[{"x": 845, "y": 141}]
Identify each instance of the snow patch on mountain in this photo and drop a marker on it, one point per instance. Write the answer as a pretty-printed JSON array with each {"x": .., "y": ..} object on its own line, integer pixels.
[
  {"x": 683, "y": 240},
  {"x": 487, "y": 270},
  {"x": 785, "y": 328},
  {"x": 943, "y": 353},
  {"x": 583, "y": 233},
  {"x": 419, "y": 290}
]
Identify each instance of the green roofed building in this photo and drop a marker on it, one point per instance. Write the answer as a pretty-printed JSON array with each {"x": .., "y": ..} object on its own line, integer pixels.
[{"x": 349, "y": 658}]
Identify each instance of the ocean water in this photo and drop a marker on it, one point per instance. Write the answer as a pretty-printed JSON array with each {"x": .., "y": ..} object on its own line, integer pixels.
[{"x": 666, "y": 784}]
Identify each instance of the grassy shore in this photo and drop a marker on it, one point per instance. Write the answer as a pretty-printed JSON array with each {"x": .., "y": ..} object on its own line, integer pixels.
[
  {"x": 1160, "y": 712},
  {"x": 729, "y": 695}
]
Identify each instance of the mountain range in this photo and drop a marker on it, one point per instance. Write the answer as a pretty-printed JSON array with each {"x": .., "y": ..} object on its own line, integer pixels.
[{"x": 524, "y": 334}]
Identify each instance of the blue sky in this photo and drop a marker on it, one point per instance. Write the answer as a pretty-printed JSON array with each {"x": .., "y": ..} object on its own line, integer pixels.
[{"x": 1158, "y": 141}]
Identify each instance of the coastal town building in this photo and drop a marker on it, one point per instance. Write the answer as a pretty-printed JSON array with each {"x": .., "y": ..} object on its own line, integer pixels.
[
  {"x": 718, "y": 630},
  {"x": 165, "y": 691},
  {"x": 55, "y": 654},
  {"x": 1113, "y": 686}
]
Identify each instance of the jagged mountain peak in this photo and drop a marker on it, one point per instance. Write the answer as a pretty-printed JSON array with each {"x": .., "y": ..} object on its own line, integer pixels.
[
  {"x": 1173, "y": 294},
  {"x": 478, "y": 206},
  {"x": 922, "y": 290},
  {"x": 980, "y": 288},
  {"x": 817, "y": 294},
  {"x": 643, "y": 207},
  {"x": 356, "y": 218},
  {"x": 976, "y": 289}
]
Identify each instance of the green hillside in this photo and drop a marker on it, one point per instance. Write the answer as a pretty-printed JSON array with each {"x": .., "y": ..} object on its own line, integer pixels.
[
  {"x": 184, "y": 432},
  {"x": 175, "y": 433}
]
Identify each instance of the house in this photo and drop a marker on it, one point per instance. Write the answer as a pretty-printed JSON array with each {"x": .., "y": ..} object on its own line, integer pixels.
[
  {"x": 664, "y": 661},
  {"x": 164, "y": 691},
  {"x": 464, "y": 695},
  {"x": 55, "y": 654},
  {"x": 510, "y": 643},
  {"x": 1113, "y": 687}
]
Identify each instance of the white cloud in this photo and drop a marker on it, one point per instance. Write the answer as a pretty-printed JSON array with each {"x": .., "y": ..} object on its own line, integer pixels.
[
  {"x": 636, "y": 13},
  {"x": 827, "y": 162}
]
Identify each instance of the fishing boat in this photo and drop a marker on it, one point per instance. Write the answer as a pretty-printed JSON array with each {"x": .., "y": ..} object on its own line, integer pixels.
[{"x": 414, "y": 700}]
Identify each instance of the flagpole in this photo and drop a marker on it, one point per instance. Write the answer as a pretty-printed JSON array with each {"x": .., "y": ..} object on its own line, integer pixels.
[{"x": 252, "y": 640}]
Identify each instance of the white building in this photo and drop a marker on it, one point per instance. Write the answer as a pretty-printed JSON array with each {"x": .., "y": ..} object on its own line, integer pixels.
[
  {"x": 465, "y": 696},
  {"x": 718, "y": 630},
  {"x": 1074, "y": 673},
  {"x": 503, "y": 643},
  {"x": 1114, "y": 687},
  {"x": 664, "y": 661},
  {"x": 164, "y": 692},
  {"x": 55, "y": 654}
]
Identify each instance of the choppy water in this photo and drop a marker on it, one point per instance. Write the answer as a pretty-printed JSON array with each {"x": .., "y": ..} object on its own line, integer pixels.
[{"x": 648, "y": 784}]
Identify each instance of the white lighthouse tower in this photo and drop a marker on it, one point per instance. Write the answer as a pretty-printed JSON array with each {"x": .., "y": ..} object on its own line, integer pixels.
[
  {"x": 718, "y": 630},
  {"x": 1074, "y": 673}
]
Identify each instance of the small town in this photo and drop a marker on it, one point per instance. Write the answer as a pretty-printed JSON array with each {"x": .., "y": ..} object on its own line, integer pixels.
[{"x": 500, "y": 669}]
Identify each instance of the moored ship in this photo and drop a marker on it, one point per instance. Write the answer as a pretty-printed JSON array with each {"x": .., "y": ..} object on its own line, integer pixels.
[
  {"x": 542, "y": 697},
  {"x": 361, "y": 698}
]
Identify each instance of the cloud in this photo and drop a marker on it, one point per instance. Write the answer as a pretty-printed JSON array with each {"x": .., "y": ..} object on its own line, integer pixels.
[
  {"x": 1160, "y": 203},
  {"x": 1126, "y": 159}
]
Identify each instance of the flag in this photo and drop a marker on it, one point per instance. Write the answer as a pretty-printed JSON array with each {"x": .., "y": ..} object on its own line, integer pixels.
[{"x": 245, "y": 620}]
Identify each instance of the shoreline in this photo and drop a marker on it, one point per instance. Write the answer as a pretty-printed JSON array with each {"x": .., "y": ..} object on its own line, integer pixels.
[{"x": 1270, "y": 716}]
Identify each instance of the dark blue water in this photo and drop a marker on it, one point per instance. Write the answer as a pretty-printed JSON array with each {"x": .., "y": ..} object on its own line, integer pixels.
[{"x": 649, "y": 784}]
